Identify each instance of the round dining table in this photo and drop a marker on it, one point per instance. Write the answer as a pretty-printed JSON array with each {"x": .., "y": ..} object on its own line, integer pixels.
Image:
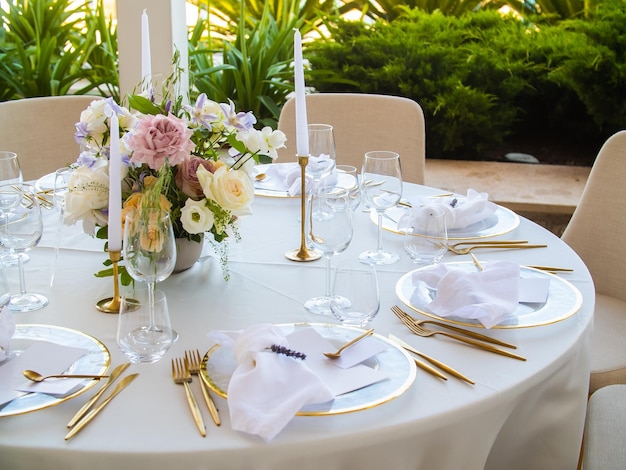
[{"x": 518, "y": 414}]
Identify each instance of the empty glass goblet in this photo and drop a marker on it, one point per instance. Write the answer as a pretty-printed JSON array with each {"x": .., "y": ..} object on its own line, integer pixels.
[
  {"x": 355, "y": 300},
  {"x": 144, "y": 331},
  {"x": 20, "y": 230},
  {"x": 10, "y": 174},
  {"x": 330, "y": 234},
  {"x": 381, "y": 187},
  {"x": 150, "y": 257}
]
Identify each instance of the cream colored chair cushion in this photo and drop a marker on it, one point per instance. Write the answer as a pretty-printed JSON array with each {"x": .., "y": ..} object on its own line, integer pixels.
[
  {"x": 364, "y": 122},
  {"x": 605, "y": 430},
  {"x": 596, "y": 232},
  {"x": 41, "y": 131}
]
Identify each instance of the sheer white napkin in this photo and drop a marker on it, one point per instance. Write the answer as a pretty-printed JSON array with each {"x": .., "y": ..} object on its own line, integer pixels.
[
  {"x": 463, "y": 212},
  {"x": 488, "y": 296},
  {"x": 7, "y": 328},
  {"x": 267, "y": 389},
  {"x": 287, "y": 177}
]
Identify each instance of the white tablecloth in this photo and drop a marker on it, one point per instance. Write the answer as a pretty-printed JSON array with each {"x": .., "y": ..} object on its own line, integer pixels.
[{"x": 519, "y": 415}]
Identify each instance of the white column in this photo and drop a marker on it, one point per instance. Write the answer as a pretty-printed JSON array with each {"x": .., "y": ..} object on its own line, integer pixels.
[{"x": 168, "y": 32}]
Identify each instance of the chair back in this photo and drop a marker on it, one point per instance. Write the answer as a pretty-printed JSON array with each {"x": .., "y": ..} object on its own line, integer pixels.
[
  {"x": 364, "y": 122},
  {"x": 41, "y": 131},
  {"x": 597, "y": 228}
]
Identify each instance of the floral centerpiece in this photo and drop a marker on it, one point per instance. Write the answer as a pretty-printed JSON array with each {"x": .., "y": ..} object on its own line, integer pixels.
[{"x": 198, "y": 157}]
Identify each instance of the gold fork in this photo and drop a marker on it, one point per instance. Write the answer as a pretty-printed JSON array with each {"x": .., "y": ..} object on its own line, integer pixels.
[
  {"x": 421, "y": 331},
  {"x": 194, "y": 361},
  {"x": 506, "y": 246},
  {"x": 402, "y": 314},
  {"x": 181, "y": 375}
]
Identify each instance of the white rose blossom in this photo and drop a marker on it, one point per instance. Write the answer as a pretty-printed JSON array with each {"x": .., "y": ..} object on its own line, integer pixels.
[
  {"x": 231, "y": 189},
  {"x": 87, "y": 197}
]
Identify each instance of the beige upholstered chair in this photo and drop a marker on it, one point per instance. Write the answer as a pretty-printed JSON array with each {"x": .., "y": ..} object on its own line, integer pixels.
[
  {"x": 605, "y": 430},
  {"x": 41, "y": 131},
  {"x": 364, "y": 122},
  {"x": 597, "y": 233}
]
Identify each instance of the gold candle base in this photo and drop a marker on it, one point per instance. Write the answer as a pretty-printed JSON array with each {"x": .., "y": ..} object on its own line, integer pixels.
[
  {"x": 302, "y": 253},
  {"x": 112, "y": 304}
]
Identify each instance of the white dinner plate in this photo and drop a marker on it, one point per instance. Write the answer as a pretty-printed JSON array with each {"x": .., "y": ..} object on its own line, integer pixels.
[
  {"x": 393, "y": 362},
  {"x": 563, "y": 301},
  {"x": 45, "y": 183},
  {"x": 502, "y": 221},
  {"x": 96, "y": 361}
]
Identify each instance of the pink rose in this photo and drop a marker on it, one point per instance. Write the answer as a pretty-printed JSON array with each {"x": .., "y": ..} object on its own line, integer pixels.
[
  {"x": 186, "y": 178},
  {"x": 158, "y": 138}
]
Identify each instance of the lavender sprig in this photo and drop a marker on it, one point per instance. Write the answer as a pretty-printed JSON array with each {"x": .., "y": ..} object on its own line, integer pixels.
[
  {"x": 454, "y": 202},
  {"x": 287, "y": 352}
]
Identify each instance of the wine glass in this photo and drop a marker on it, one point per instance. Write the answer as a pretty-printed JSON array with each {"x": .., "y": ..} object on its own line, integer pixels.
[
  {"x": 21, "y": 230},
  {"x": 381, "y": 187},
  {"x": 322, "y": 153},
  {"x": 356, "y": 298},
  {"x": 330, "y": 233},
  {"x": 150, "y": 256},
  {"x": 10, "y": 174},
  {"x": 59, "y": 191}
]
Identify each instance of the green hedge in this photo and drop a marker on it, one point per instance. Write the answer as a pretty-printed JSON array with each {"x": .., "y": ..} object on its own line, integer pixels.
[{"x": 482, "y": 78}]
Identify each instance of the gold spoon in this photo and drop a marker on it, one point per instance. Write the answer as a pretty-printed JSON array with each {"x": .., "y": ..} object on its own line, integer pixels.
[
  {"x": 260, "y": 176},
  {"x": 337, "y": 353},
  {"x": 37, "y": 377}
]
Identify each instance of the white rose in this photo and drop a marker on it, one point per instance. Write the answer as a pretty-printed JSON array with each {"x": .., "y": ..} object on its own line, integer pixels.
[
  {"x": 231, "y": 189},
  {"x": 95, "y": 117},
  {"x": 196, "y": 217},
  {"x": 88, "y": 194}
]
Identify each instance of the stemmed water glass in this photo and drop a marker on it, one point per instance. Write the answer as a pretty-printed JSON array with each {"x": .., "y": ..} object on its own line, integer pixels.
[
  {"x": 59, "y": 192},
  {"x": 381, "y": 187},
  {"x": 21, "y": 230},
  {"x": 322, "y": 153},
  {"x": 150, "y": 256},
  {"x": 10, "y": 174},
  {"x": 330, "y": 233}
]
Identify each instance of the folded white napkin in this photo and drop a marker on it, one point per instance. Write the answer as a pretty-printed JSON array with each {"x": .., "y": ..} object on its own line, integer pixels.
[
  {"x": 488, "y": 296},
  {"x": 463, "y": 212},
  {"x": 287, "y": 177},
  {"x": 7, "y": 328},
  {"x": 267, "y": 389}
]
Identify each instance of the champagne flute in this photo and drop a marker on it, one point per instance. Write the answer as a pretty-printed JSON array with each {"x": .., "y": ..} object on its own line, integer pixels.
[
  {"x": 10, "y": 174},
  {"x": 150, "y": 256},
  {"x": 21, "y": 230},
  {"x": 381, "y": 187},
  {"x": 331, "y": 233}
]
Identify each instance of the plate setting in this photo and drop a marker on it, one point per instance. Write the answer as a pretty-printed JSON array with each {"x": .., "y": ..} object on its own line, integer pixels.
[
  {"x": 96, "y": 361},
  {"x": 502, "y": 221},
  {"x": 219, "y": 363},
  {"x": 563, "y": 300}
]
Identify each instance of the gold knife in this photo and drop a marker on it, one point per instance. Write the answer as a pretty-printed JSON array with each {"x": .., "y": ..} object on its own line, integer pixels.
[
  {"x": 112, "y": 378},
  {"x": 430, "y": 359},
  {"x": 91, "y": 415}
]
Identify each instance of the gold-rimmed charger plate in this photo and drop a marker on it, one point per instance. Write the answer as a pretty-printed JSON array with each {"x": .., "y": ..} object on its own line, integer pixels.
[
  {"x": 218, "y": 365},
  {"x": 96, "y": 361},
  {"x": 502, "y": 221},
  {"x": 563, "y": 301},
  {"x": 265, "y": 188}
]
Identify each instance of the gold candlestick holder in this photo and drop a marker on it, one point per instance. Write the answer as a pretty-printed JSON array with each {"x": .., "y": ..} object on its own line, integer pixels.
[
  {"x": 302, "y": 253},
  {"x": 112, "y": 304}
]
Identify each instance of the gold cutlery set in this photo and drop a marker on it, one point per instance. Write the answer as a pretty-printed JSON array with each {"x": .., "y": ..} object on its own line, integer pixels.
[
  {"x": 472, "y": 338},
  {"x": 182, "y": 370},
  {"x": 88, "y": 412}
]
